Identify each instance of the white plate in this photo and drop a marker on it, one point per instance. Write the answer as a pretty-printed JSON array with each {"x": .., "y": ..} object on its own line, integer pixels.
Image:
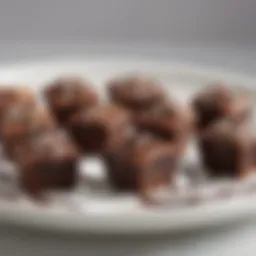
[{"x": 124, "y": 214}]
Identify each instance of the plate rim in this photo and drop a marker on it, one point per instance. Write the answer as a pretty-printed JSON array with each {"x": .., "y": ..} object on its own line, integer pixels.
[{"x": 154, "y": 221}]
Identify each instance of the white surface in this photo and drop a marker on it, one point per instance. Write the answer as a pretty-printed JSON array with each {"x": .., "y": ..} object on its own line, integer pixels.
[{"x": 101, "y": 217}]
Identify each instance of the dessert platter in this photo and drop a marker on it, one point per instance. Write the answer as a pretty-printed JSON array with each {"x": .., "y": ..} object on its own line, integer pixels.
[{"x": 118, "y": 145}]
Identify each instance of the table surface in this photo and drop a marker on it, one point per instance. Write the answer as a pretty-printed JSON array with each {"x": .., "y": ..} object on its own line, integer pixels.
[{"x": 235, "y": 240}]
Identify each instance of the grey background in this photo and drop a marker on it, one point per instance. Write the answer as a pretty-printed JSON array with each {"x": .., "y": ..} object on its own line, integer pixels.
[
  {"x": 168, "y": 21},
  {"x": 218, "y": 33}
]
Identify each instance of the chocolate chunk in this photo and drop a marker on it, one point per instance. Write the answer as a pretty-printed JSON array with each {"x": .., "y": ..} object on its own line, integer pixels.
[
  {"x": 136, "y": 92},
  {"x": 141, "y": 164},
  {"x": 20, "y": 121},
  {"x": 13, "y": 96},
  {"x": 218, "y": 102},
  {"x": 169, "y": 121},
  {"x": 46, "y": 161},
  {"x": 67, "y": 95},
  {"x": 94, "y": 129},
  {"x": 226, "y": 150}
]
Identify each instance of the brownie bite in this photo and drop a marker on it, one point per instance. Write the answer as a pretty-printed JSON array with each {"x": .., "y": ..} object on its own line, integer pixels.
[
  {"x": 169, "y": 121},
  {"x": 94, "y": 129},
  {"x": 47, "y": 161},
  {"x": 67, "y": 95},
  {"x": 136, "y": 93},
  {"x": 141, "y": 165},
  {"x": 217, "y": 102},
  {"x": 156, "y": 166},
  {"x": 117, "y": 157},
  {"x": 20, "y": 121},
  {"x": 226, "y": 150}
]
